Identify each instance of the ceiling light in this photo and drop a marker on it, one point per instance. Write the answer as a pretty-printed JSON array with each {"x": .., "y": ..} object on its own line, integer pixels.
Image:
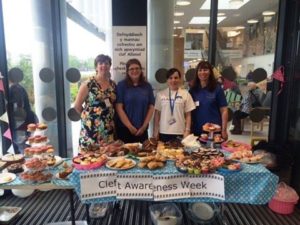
[
  {"x": 221, "y": 14},
  {"x": 179, "y": 28},
  {"x": 252, "y": 21},
  {"x": 235, "y": 2},
  {"x": 174, "y": 35},
  {"x": 239, "y": 27},
  {"x": 183, "y": 2},
  {"x": 176, "y": 21},
  {"x": 233, "y": 33},
  {"x": 225, "y": 4},
  {"x": 204, "y": 19},
  {"x": 268, "y": 13},
  {"x": 178, "y": 13}
]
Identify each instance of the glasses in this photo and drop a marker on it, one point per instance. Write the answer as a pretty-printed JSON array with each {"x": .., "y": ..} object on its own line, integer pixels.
[{"x": 134, "y": 69}]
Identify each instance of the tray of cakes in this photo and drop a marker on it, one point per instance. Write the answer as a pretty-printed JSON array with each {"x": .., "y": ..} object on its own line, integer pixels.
[
  {"x": 64, "y": 171},
  {"x": 15, "y": 168},
  {"x": 13, "y": 158},
  {"x": 217, "y": 138},
  {"x": 113, "y": 150},
  {"x": 37, "y": 128},
  {"x": 37, "y": 140},
  {"x": 230, "y": 166},
  {"x": 246, "y": 157},
  {"x": 200, "y": 161},
  {"x": 171, "y": 149},
  {"x": 38, "y": 151},
  {"x": 232, "y": 146},
  {"x": 148, "y": 148},
  {"x": 152, "y": 162},
  {"x": 89, "y": 161},
  {"x": 120, "y": 163},
  {"x": 211, "y": 127},
  {"x": 35, "y": 172}
]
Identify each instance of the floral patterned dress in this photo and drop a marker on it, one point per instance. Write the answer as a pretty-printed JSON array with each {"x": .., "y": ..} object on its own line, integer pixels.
[{"x": 97, "y": 117}]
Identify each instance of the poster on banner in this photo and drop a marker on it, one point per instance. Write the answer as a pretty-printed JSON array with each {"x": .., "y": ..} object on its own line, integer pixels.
[
  {"x": 167, "y": 187},
  {"x": 128, "y": 42},
  {"x": 133, "y": 186},
  {"x": 98, "y": 184},
  {"x": 206, "y": 186}
]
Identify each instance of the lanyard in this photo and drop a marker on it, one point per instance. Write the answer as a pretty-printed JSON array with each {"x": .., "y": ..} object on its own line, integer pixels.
[{"x": 172, "y": 102}]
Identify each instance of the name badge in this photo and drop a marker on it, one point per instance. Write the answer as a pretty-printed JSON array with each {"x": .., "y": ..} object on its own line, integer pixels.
[
  {"x": 197, "y": 103},
  {"x": 107, "y": 102},
  {"x": 172, "y": 121}
]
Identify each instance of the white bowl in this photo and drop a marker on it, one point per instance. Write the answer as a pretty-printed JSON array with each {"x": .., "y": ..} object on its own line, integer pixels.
[
  {"x": 203, "y": 211},
  {"x": 22, "y": 193}
]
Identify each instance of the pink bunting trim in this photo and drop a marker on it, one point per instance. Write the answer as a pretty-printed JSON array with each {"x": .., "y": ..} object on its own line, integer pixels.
[{"x": 7, "y": 134}]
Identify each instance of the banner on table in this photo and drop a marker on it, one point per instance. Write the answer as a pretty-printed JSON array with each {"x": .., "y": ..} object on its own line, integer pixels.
[
  {"x": 169, "y": 187},
  {"x": 132, "y": 186},
  {"x": 98, "y": 184},
  {"x": 206, "y": 185}
]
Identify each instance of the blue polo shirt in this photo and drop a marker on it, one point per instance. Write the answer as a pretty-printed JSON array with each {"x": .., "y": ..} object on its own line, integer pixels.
[
  {"x": 208, "y": 106},
  {"x": 136, "y": 101}
]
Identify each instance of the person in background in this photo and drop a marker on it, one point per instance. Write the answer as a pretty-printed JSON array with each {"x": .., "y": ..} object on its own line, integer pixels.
[
  {"x": 134, "y": 105},
  {"x": 173, "y": 107},
  {"x": 95, "y": 101},
  {"x": 210, "y": 101},
  {"x": 253, "y": 98},
  {"x": 22, "y": 114}
]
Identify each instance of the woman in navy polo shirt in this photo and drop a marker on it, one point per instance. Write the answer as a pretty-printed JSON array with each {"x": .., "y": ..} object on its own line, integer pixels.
[
  {"x": 210, "y": 100},
  {"x": 135, "y": 104}
]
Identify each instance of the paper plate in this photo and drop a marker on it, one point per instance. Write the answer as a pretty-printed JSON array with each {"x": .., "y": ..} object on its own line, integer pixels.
[{"x": 7, "y": 177}]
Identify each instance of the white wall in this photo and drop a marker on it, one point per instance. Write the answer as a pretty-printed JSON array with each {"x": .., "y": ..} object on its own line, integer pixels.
[{"x": 264, "y": 61}]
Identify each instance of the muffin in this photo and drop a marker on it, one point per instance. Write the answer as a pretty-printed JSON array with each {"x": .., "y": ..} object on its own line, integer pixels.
[
  {"x": 42, "y": 126},
  {"x": 31, "y": 127}
]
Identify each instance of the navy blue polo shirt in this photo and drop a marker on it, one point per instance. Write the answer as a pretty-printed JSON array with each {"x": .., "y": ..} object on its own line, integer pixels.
[
  {"x": 208, "y": 106},
  {"x": 136, "y": 101}
]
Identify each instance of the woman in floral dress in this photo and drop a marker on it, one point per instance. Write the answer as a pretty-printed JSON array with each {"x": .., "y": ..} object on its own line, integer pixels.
[{"x": 95, "y": 101}]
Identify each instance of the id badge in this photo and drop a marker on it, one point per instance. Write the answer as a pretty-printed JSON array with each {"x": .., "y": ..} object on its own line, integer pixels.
[
  {"x": 172, "y": 121},
  {"x": 197, "y": 103},
  {"x": 107, "y": 102}
]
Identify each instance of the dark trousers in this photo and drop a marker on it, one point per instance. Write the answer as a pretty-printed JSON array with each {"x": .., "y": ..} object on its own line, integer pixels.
[
  {"x": 236, "y": 119},
  {"x": 124, "y": 134},
  {"x": 169, "y": 137}
]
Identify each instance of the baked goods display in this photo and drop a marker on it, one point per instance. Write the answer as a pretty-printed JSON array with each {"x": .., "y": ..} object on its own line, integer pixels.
[
  {"x": 232, "y": 146},
  {"x": 65, "y": 170},
  {"x": 230, "y": 166},
  {"x": 246, "y": 157},
  {"x": 114, "y": 149},
  {"x": 32, "y": 151},
  {"x": 216, "y": 138},
  {"x": 13, "y": 158},
  {"x": 35, "y": 171},
  {"x": 211, "y": 127},
  {"x": 89, "y": 161},
  {"x": 15, "y": 168},
  {"x": 152, "y": 162},
  {"x": 35, "y": 164},
  {"x": 201, "y": 161},
  {"x": 120, "y": 164},
  {"x": 170, "y": 150}
]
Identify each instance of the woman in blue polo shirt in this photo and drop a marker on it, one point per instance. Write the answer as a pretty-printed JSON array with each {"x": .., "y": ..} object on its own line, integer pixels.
[
  {"x": 135, "y": 104},
  {"x": 210, "y": 100}
]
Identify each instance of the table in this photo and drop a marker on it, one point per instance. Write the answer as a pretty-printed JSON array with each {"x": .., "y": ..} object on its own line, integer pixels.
[
  {"x": 53, "y": 185},
  {"x": 254, "y": 184}
]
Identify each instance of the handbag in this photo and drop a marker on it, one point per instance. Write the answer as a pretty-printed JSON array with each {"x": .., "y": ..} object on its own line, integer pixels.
[{"x": 256, "y": 102}]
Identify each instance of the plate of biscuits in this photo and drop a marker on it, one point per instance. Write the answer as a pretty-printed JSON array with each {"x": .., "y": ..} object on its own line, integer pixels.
[{"x": 120, "y": 164}]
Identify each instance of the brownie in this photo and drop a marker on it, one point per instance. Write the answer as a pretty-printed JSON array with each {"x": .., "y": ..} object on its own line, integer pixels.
[{"x": 15, "y": 168}]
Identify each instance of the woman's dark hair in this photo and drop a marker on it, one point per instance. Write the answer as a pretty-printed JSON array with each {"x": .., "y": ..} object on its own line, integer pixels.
[
  {"x": 172, "y": 71},
  {"x": 142, "y": 79},
  {"x": 102, "y": 59},
  {"x": 212, "y": 82}
]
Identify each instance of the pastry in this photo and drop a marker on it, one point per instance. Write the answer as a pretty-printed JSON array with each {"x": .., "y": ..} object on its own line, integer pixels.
[
  {"x": 31, "y": 127},
  {"x": 15, "y": 168},
  {"x": 42, "y": 126}
]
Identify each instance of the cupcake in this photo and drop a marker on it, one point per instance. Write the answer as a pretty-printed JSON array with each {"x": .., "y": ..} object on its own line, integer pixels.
[
  {"x": 31, "y": 127},
  {"x": 42, "y": 126}
]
